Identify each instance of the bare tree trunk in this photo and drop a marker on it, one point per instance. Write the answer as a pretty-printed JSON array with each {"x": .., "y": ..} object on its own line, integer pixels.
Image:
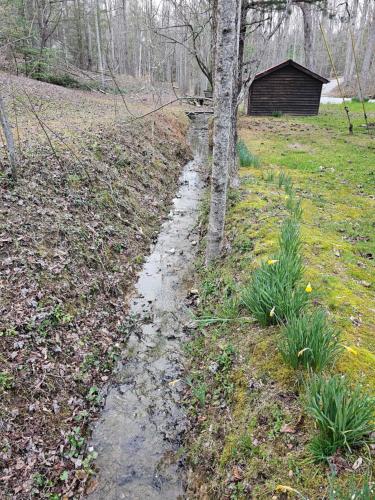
[
  {"x": 361, "y": 34},
  {"x": 9, "y": 140},
  {"x": 349, "y": 48},
  {"x": 99, "y": 43},
  {"x": 369, "y": 55},
  {"x": 308, "y": 34},
  {"x": 225, "y": 83}
]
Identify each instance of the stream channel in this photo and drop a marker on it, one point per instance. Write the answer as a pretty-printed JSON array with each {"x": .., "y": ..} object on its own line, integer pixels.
[{"x": 139, "y": 434}]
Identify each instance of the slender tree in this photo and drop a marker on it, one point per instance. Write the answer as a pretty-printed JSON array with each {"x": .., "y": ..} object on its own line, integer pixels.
[
  {"x": 9, "y": 140},
  {"x": 226, "y": 60},
  {"x": 308, "y": 34}
]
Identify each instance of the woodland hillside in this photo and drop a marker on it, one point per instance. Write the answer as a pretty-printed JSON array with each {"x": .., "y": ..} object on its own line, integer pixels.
[{"x": 92, "y": 189}]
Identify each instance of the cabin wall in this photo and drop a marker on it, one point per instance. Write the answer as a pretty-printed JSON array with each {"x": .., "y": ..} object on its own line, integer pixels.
[{"x": 287, "y": 90}]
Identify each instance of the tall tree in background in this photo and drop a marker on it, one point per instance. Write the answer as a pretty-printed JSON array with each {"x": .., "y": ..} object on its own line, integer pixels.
[
  {"x": 225, "y": 85},
  {"x": 12, "y": 156},
  {"x": 369, "y": 52},
  {"x": 352, "y": 20},
  {"x": 308, "y": 34}
]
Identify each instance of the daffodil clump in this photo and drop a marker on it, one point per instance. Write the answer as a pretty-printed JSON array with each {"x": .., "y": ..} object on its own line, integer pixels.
[
  {"x": 276, "y": 292},
  {"x": 246, "y": 158},
  {"x": 343, "y": 415},
  {"x": 309, "y": 341}
]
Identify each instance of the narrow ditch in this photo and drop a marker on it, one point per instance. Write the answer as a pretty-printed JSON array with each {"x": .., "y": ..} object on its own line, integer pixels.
[{"x": 139, "y": 433}]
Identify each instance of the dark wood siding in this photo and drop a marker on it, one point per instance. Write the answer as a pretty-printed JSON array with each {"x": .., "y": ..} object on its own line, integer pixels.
[{"x": 287, "y": 90}]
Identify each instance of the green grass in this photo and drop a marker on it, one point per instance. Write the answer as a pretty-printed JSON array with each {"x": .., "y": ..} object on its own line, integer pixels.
[
  {"x": 309, "y": 342},
  {"x": 334, "y": 173},
  {"x": 344, "y": 415},
  {"x": 358, "y": 99}
]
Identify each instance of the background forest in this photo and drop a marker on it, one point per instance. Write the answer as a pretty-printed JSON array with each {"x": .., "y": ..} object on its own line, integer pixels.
[{"x": 169, "y": 41}]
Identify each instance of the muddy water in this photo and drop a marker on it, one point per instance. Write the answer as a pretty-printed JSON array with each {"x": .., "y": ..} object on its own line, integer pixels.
[{"x": 139, "y": 435}]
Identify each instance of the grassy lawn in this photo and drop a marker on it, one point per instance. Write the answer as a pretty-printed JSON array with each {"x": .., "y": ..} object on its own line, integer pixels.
[
  {"x": 334, "y": 174},
  {"x": 252, "y": 434}
]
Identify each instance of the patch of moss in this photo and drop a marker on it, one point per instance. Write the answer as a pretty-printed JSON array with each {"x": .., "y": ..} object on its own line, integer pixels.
[{"x": 260, "y": 434}]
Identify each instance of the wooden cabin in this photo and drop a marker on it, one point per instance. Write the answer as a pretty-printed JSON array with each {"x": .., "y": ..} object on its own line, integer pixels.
[{"x": 287, "y": 88}]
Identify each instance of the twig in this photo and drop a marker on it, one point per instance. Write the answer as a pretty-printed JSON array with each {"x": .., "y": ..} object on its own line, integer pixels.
[
  {"x": 337, "y": 78},
  {"x": 357, "y": 71}
]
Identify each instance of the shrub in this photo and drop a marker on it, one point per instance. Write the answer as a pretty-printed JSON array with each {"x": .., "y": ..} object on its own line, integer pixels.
[
  {"x": 358, "y": 99},
  {"x": 344, "y": 416},
  {"x": 61, "y": 80},
  {"x": 308, "y": 341},
  {"x": 246, "y": 158},
  {"x": 277, "y": 114}
]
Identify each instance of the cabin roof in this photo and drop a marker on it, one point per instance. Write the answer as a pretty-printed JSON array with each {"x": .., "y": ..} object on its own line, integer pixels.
[{"x": 290, "y": 62}]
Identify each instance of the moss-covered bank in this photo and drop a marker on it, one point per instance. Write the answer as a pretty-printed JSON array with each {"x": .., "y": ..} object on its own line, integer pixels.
[{"x": 250, "y": 432}]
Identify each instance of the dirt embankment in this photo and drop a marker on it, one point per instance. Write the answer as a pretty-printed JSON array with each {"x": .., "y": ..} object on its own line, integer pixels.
[{"x": 93, "y": 187}]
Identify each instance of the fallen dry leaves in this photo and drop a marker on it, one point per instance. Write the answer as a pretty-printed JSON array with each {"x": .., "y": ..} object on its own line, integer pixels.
[{"x": 72, "y": 235}]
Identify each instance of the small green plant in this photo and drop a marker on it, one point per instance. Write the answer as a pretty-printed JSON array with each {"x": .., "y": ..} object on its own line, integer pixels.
[
  {"x": 93, "y": 395},
  {"x": 246, "y": 158},
  {"x": 225, "y": 358},
  {"x": 243, "y": 244},
  {"x": 199, "y": 392},
  {"x": 76, "y": 442},
  {"x": 277, "y": 114},
  {"x": 364, "y": 492},
  {"x": 294, "y": 206},
  {"x": 268, "y": 176},
  {"x": 309, "y": 342},
  {"x": 6, "y": 381},
  {"x": 290, "y": 244},
  {"x": 271, "y": 296},
  {"x": 278, "y": 421},
  {"x": 343, "y": 415},
  {"x": 284, "y": 180},
  {"x": 55, "y": 318}
]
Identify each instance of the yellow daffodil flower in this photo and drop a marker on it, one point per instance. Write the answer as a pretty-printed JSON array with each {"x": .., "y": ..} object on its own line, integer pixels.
[
  {"x": 351, "y": 350},
  {"x": 270, "y": 262},
  {"x": 272, "y": 312},
  {"x": 281, "y": 488},
  {"x": 308, "y": 289}
]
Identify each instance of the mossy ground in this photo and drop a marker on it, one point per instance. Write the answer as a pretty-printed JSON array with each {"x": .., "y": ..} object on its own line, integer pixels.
[{"x": 251, "y": 433}]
